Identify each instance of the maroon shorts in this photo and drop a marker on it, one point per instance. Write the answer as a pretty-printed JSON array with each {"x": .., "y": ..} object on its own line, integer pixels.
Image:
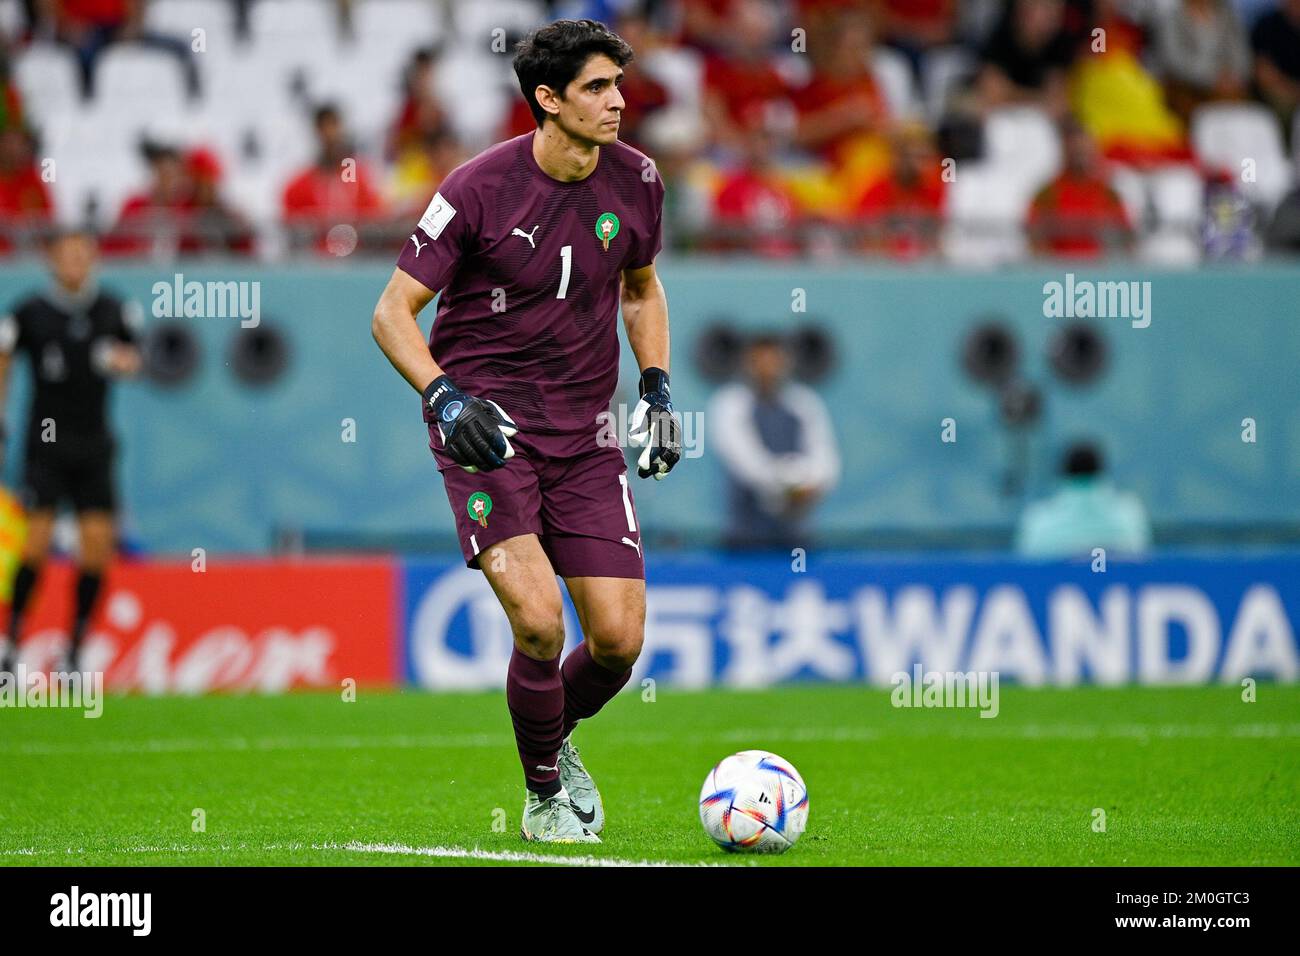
[{"x": 571, "y": 492}]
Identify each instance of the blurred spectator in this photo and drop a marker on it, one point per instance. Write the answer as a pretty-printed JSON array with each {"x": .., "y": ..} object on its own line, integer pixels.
[
  {"x": 25, "y": 204},
  {"x": 1276, "y": 42},
  {"x": 1086, "y": 512},
  {"x": 753, "y": 209},
  {"x": 842, "y": 117},
  {"x": 741, "y": 83},
  {"x": 336, "y": 190},
  {"x": 1228, "y": 226},
  {"x": 420, "y": 169},
  {"x": 902, "y": 213},
  {"x": 89, "y": 26},
  {"x": 153, "y": 221},
  {"x": 421, "y": 115},
  {"x": 643, "y": 95},
  {"x": 1027, "y": 56},
  {"x": 1078, "y": 214},
  {"x": 1202, "y": 54},
  {"x": 705, "y": 22},
  {"x": 775, "y": 441},
  {"x": 1118, "y": 101},
  {"x": 214, "y": 224},
  {"x": 1283, "y": 233}
]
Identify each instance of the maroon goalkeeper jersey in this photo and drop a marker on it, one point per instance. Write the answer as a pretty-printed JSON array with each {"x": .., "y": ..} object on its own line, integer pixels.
[{"x": 529, "y": 270}]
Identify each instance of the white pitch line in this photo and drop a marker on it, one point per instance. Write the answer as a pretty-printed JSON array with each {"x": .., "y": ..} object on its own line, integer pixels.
[
  {"x": 399, "y": 849},
  {"x": 977, "y": 729},
  {"x": 502, "y": 856}
]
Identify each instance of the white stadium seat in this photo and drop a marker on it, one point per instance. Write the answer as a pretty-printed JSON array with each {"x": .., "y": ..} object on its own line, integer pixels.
[
  {"x": 1022, "y": 143},
  {"x": 986, "y": 211},
  {"x": 178, "y": 18},
  {"x": 1132, "y": 188},
  {"x": 11, "y": 17},
  {"x": 894, "y": 77},
  {"x": 49, "y": 79},
  {"x": 140, "y": 77},
  {"x": 392, "y": 30},
  {"x": 1228, "y": 134},
  {"x": 944, "y": 70},
  {"x": 474, "y": 22}
]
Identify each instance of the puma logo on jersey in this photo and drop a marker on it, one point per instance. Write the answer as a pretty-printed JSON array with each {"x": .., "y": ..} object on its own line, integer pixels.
[
  {"x": 526, "y": 235},
  {"x": 635, "y": 544},
  {"x": 419, "y": 246}
]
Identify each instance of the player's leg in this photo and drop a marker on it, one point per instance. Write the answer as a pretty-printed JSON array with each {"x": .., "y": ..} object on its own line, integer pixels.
[
  {"x": 93, "y": 495},
  {"x": 36, "y": 548},
  {"x": 522, "y": 577},
  {"x": 45, "y": 484},
  {"x": 611, "y": 612},
  {"x": 497, "y": 522},
  {"x": 96, "y": 537},
  {"x": 591, "y": 535}
]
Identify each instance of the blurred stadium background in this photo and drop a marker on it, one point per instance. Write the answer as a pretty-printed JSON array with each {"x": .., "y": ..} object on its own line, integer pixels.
[{"x": 886, "y": 187}]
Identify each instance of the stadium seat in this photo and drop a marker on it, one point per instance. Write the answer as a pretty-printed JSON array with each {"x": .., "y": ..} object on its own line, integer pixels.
[
  {"x": 474, "y": 22},
  {"x": 179, "y": 18},
  {"x": 680, "y": 71},
  {"x": 478, "y": 84},
  {"x": 49, "y": 79},
  {"x": 289, "y": 37},
  {"x": 11, "y": 17},
  {"x": 1177, "y": 196},
  {"x": 132, "y": 76},
  {"x": 391, "y": 30},
  {"x": 894, "y": 77},
  {"x": 1132, "y": 188},
  {"x": 1225, "y": 135},
  {"x": 1022, "y": 142},
  {"x": 986, "y": 211},
  {"x": 944, "y": 71}
]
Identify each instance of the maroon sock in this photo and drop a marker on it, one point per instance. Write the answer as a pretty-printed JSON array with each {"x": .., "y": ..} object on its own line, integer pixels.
[
  {"x": 587, "y": 686},
  {"x": 535, "y": 697}
]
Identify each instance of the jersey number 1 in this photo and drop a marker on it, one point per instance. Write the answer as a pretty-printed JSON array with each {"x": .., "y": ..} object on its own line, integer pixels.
[{"x": 566, "y": 259}]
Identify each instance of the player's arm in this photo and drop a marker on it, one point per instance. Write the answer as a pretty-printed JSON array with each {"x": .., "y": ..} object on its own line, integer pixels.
[
  {"x": 475, "y": 432},
  {"x": 397, "y": 333},
  {"x": 119, "y": 355},
  {"x": 655, "y": 425}
]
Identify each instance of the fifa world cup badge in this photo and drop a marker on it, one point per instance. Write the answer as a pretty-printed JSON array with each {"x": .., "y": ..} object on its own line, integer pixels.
[
  {"x": 606, "y": 228},
  {"x": 479, "y": 507}
]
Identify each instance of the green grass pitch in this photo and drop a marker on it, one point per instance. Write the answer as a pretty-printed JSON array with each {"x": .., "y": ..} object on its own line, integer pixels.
[{"x": 1184, "y": 776}]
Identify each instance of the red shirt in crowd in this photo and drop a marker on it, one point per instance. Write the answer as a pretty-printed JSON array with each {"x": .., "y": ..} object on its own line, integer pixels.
[{"x": 1077, "y": 216}]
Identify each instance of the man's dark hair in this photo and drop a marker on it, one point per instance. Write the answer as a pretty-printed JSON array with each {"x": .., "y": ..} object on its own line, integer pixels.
[
  {"x": 1082, "y": 459},
  {"x": 325, "y": 111},
  {"x": 555, "y": 54}
]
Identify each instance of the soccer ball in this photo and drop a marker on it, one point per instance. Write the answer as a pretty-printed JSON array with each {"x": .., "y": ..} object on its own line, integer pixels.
[{"x": 754, "y": 802}]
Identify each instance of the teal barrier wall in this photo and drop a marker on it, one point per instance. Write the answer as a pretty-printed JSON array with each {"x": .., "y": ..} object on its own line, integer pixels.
[{"x": 216, "y": 464}]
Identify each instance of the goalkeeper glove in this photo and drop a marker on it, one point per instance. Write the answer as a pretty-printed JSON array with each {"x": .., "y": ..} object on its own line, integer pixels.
[
  {"x": 476, "y": 432},
  {"x": 655, "y": 427}
]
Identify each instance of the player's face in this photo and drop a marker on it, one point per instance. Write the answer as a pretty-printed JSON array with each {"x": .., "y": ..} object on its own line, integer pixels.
[
  {"x": 593, "y": 106},
  {"x": 72, "y": 260}
]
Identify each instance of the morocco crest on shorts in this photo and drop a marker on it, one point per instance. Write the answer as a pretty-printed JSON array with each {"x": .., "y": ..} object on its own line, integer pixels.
[{"x": 479, "y": 507}]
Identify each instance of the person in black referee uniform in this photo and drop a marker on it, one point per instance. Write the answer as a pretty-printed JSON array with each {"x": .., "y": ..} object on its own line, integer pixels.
[{"x": 77, "y": 338}]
